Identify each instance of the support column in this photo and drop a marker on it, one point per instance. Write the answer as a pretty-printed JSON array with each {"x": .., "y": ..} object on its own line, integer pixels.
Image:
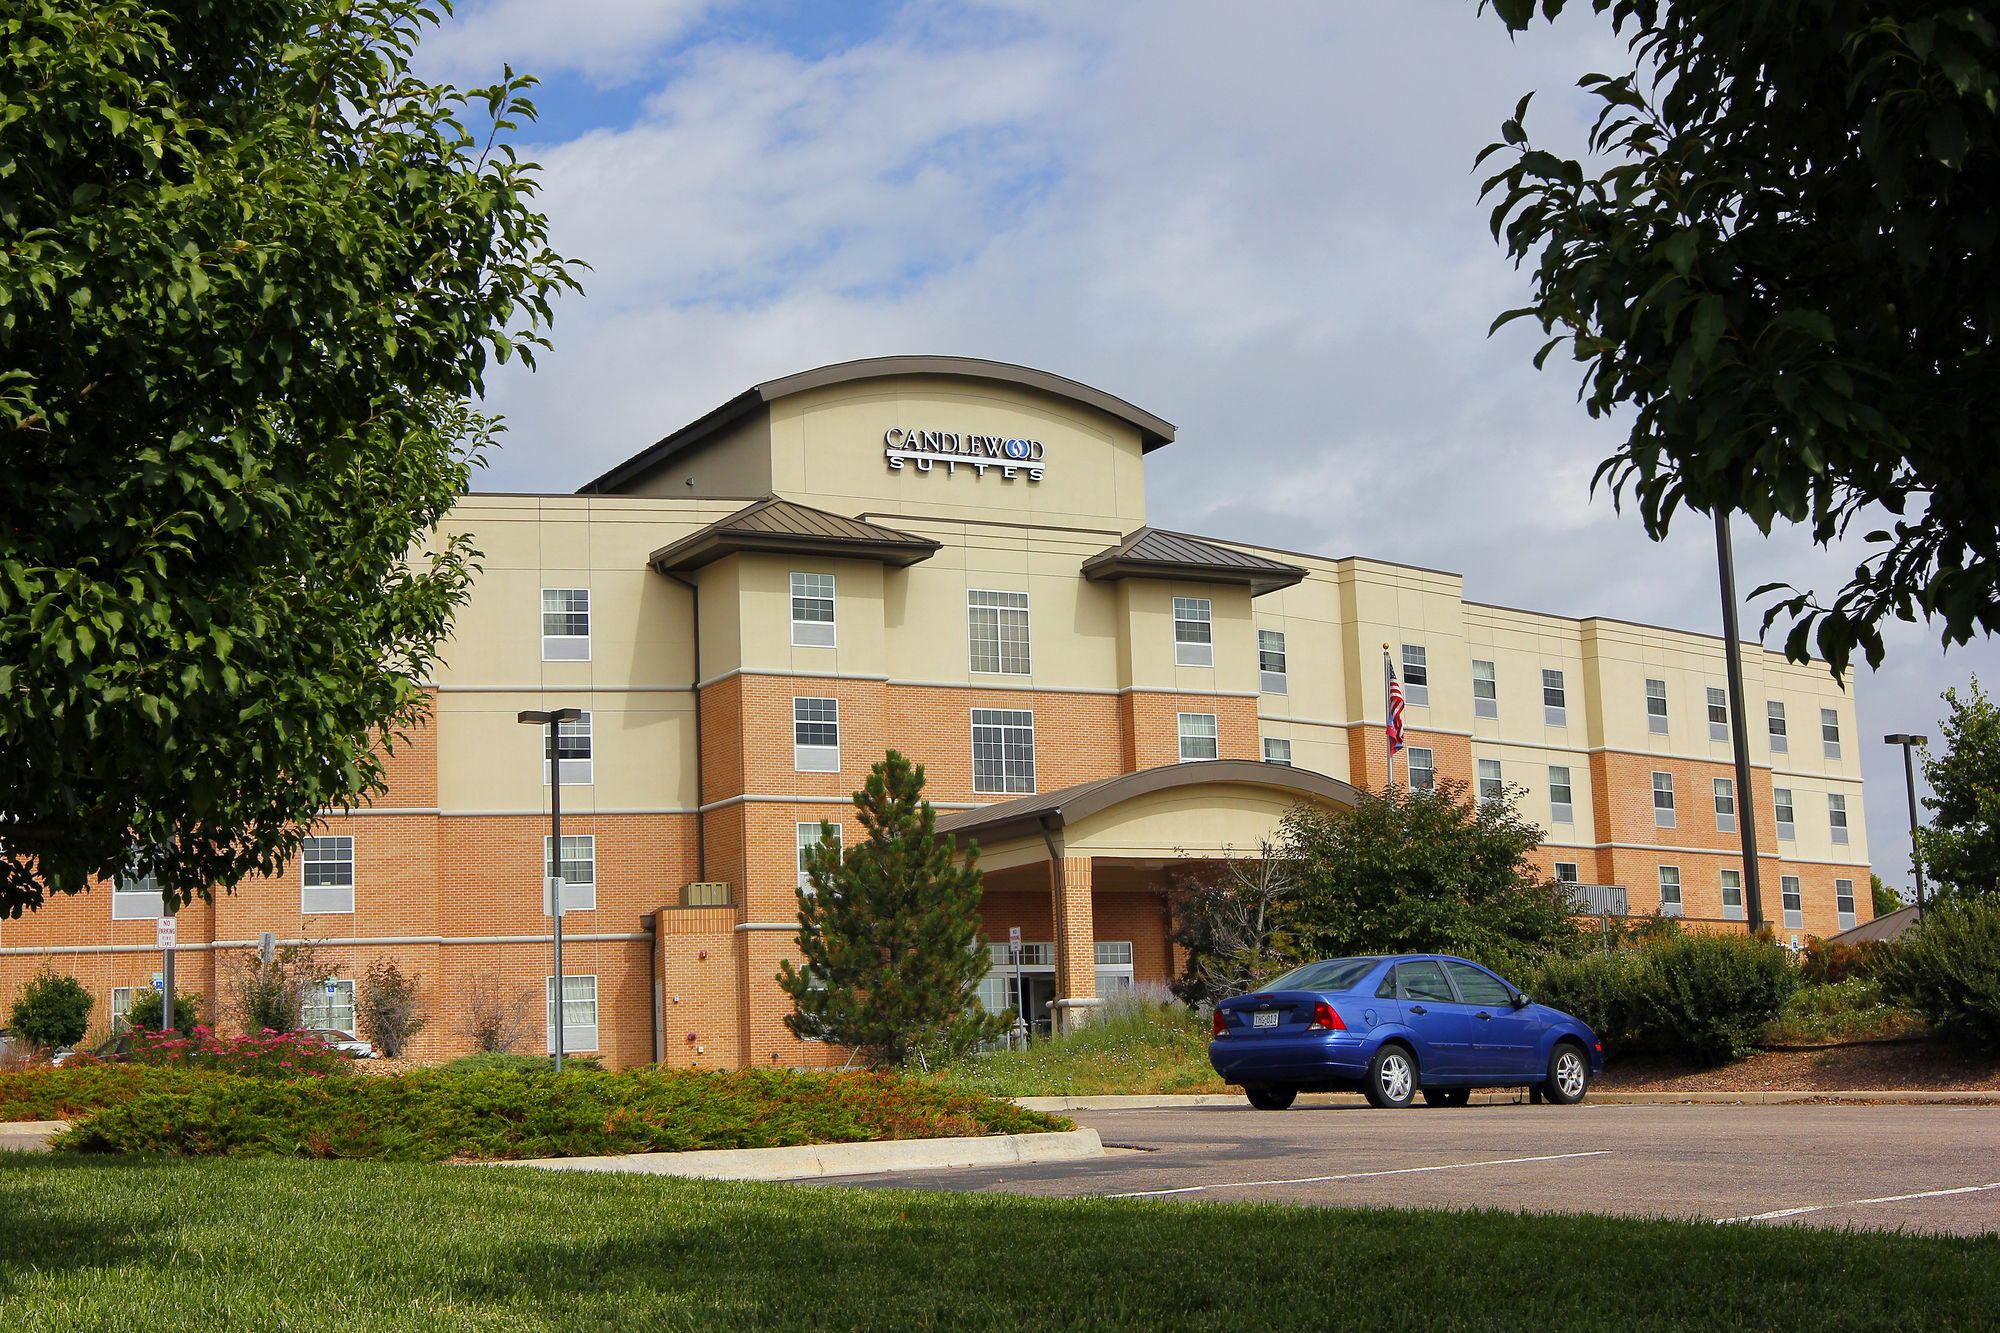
[{"x": 1076, "y": 941}]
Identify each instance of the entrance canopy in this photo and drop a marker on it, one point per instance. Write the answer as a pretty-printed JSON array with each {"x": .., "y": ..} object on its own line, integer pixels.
[{"x": 1220, "y": 807}]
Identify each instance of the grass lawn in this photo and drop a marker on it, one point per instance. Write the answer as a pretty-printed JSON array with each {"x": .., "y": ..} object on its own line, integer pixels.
[
  {"x": 165, "y": 1244},
  {"x": 1134, "y": 1047}
]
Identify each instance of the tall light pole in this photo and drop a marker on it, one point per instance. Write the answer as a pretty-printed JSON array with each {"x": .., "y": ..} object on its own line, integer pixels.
[
  {"x": 553, "y": 883},
  {"x": 1739, "y": 725},
  {"x": 1910, "y": 785}
]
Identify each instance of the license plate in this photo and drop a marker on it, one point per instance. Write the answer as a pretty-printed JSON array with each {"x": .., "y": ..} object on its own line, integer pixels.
[{"x": 1263, "y": 1020}]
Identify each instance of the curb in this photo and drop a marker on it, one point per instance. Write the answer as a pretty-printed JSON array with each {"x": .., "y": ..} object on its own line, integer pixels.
[
  {"x": 1508, "y": 1096},
  {"x": 812, "y": 1161}
]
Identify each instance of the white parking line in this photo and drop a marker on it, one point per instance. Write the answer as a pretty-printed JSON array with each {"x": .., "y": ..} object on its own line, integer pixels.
[
  {"x": 1356, "y": 1175},
  {"x": 1856, "y": 1203}
]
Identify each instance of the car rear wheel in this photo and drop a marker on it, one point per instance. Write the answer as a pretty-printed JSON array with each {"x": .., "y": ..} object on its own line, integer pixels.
[
  {"x": 1447, "y": 1096},
  {"x": 1271, "y": 1099},
  {"x": 1392, "y": 1078},
  {"x": 1569, "y": 1075}
]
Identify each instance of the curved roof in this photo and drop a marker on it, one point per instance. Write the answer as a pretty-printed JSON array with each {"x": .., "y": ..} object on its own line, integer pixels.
[
  {"x": 1153, "y": 431},
  {"x": 1050, "y": 811}
]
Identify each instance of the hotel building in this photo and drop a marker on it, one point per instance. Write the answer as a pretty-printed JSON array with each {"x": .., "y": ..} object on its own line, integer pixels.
[{"x": 951, "y": 558}]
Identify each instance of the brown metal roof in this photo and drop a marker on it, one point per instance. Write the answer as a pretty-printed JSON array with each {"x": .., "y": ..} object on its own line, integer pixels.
[
  {"x": 1153, "y": 431},
  {"x": 1155, "y": 553},
  {"x": 1050, "y": 811},
  {"x": 1889, "y": 926},
  {"x": 785, "y": 526}
]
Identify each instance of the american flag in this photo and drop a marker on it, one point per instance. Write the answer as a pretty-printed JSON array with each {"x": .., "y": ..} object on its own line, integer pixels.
[{"x": 1395, "y": 705}]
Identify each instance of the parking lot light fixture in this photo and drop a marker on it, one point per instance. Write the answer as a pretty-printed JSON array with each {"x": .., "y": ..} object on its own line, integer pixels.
[
  {"x": 552, "y": 884},
  {"x": 1908, "y": 742}
]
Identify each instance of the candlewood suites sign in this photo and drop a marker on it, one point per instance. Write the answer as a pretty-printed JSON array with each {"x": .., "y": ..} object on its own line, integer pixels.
[{"x": 925, "y": 449}]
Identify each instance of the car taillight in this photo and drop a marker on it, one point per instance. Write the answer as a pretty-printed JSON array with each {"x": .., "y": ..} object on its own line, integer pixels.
[
  {"x": 1325, "y": 1020},
  {"x": 1221, "y": 1025}
]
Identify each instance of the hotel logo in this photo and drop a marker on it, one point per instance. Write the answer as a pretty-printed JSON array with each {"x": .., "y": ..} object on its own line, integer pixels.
[{"x": 925, "y": 449}]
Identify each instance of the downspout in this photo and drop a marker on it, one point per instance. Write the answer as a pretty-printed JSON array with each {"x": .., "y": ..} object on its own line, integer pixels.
[
  {"x": 659, "y": 997},
  {"x": 694, "y": 686}
]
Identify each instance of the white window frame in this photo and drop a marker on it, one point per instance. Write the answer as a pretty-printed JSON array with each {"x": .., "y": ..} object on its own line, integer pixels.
[
  {"x": 808, "y": 838},
  {"x": 1656, "y": 719},
  {"x": 1573, "y": 877},
  {"x": 577, "y": 768},
  {"x": 1836, "y": 817},
  {"x": 1002, "y": 612},
  {"x": 141, "y": 901},
  {"x": 1670, "y": 884},
  {"x": 1278, "y": 750},
  {"x": 1113, "y": 962},
  {"x": 815, "y": 712},
  {"x": 1194, "y": 632},
  {"x": 1843, "y": 903},
  {"x": 1004, "y": 721},
  {"x": 1487, "y": 704},
  {"x": 1725, "y": 805},
  {"x": 809, "y": 588},
  {"x": 1491, "y": 780},
  {"x": 1732, "y": 894},
  {"x": 329, "y": 895},
  {"x": 578, "y": 895},
  {"x": 121, "y": 1007},
  {"x": 1202, "y": 732},
  {"x": 1718, "y": 703},
  {"x": 1416, "y": 662},
  {"x": 1792, "y": 896},
  {"x": 1775, "y": 727},
  {"x": 316, "y": 1012},
  {"x": 1428, "y": 768},
  {"x": 1271, "y": 647},
  {"x": 1782, "y": 805},
  {"x": 577, "y": 1037},
  {"x": 1664, "y": 815},
  {"x": 1829, "y": 732},
  {"x": 1554, "y": 714},
  {"x": 568, "y": 646},
  {"x": 1563, "y": 810}
]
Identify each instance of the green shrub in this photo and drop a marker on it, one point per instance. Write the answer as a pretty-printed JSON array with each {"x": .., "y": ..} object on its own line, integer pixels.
[
  {"x": 489, "y": 1061},
  {"x": 438, "y": 1114},
  {"x": 1948, "y": 971},
  {"x": 1137, "y": 1042},
  {"x": 1708, "y": 997},
  {"x": 1850, "y": 1010},
  {"x": 52, "y": 1010},
  {"x": 1602, "y": 989},
  {"x": 148, "y": 1006},
  {"x": 76, "y": 1090},
  {"x": 1823, "y": 962}
]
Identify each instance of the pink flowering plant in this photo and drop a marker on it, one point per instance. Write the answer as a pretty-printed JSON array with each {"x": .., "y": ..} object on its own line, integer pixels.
[{"x": 266, "y": 1054}]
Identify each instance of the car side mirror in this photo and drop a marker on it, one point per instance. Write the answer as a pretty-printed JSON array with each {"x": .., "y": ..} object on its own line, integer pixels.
[{"x": 1521, "y": 1001}]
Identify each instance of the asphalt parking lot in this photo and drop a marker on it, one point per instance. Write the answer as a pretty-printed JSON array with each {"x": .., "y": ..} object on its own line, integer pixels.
[{"x": 1915, "y": 1168}]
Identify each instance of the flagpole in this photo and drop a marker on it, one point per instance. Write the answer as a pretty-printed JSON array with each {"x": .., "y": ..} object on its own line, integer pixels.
[{"x": 1388, "y": 723}]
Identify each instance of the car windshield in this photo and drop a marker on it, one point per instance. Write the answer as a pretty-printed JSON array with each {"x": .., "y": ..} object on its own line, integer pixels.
[{"x": 1333, "y": 974}]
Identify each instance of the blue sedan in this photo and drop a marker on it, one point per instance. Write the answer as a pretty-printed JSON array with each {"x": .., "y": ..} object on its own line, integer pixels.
[{"x": 1393, "y": 1027}]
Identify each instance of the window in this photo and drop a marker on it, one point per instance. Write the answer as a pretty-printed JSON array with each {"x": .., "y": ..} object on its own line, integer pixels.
[
  {"x": 1829, "y": 732},
  {"x": 1271, "y": 677},
  {"x": 1732, "y": 895},
  {"x": 136, "y": 897},
  {"x": 1663, "y": 800},
  {"x": 1566, "y": 872},
  {"x": 329, "y": 1005},
  {"x": 1725, "y": 805},
  {"x": 1843, "y": 902},
  {"x": 1795, "y": 907},
  {"x": 1485, "y": 690},
  {"x": 1555, "y": 706},
  {"x": 1422, "y": 980},
  {"x": 1718, "y": 714},
  {"x": 1194, "y": 632},
  {"x": 816, "y": 735},
  {"x": 573, "y": 748},
  {"x": 1774, "y": 720},
  {"x": 1114, "y": 966},
  {"x": 579, "y": 1014},
  {"x": 998, "y": 624},
  {"x": 1491, "y": 786},
  {"x": 1562, "y": 809},
  {"x": 1478, "y": 986},
  {"x": 1836, "y": 817},
  {"x": 1003, "y": 750},
  {"x": 1423, "y": 768},
  {"x": 812, "y": 611},
  {"x": 565, "y": 624},
  {"x": 1781, "y": 799},
  {"x": 1198, "y": 738},
  {"x": 1656, "y": 707},
  {"x": 579, "y": 872},
  {"x": 1416, "y": 675},
  {"x": 121, "y": 1008},
  {"x": 327, "y": 875},
  {"x": 808, "y": 839},
  {"x": 1670, "y": 891},
  {"x": 1277, "y": 751}
]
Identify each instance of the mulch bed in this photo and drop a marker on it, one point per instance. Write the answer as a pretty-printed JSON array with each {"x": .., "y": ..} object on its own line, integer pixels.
[{"x": 1892, "y": 1066}]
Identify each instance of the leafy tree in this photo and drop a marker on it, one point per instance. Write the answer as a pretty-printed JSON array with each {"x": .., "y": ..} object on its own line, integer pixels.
[
  {"x": 1430, "y": 871},
  {"x": 386, "y": 1009},
  {"x": 1887, "y": 900},
  {"x": 51, "y": 1011},
  {"x": 1233, "y": 921},
  {"x": 251, "y": 273},
  {"x": 1960, "y": 850},
  {"x": 889, "y": 931},
  {"x": 1786, "y": 279},
  {"x": 148, "y": 1011}
]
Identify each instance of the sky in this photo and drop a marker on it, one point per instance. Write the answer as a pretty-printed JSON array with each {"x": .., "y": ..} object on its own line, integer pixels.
[{"x": 1260, "y": 221}]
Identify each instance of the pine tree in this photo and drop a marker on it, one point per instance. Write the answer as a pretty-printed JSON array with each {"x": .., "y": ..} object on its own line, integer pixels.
[{"x": 889, "y": 931}]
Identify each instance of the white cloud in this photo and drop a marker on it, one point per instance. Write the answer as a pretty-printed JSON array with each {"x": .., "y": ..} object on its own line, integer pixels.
[{"x": 609, "y": 40}]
